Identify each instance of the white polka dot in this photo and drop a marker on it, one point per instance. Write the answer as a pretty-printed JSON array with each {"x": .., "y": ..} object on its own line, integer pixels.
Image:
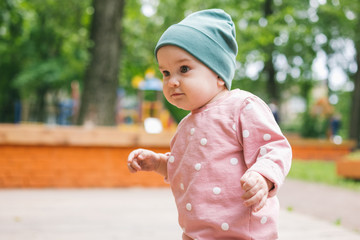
[
  {"x": 249, "y": 106},
  {"x": 246, "y": 133},
  {"x": 192, "y": 131},
  {"x": 234, "y": 126},
  {"x": 225, "y": 226},
  {"x": 182, "y": 186},
  {"x": 171, "y": 159},
  {"x": 216, "y": 190},
  {"x": 234, "y": 161},
  {"x": 267, "y": 137},
  {"x": 203, "y": 141},
  {"x": 263, "y": 220},
  {"x": 263, "y": 151},
  {"x": 188, "y": 206},
  {"x": 198, "y": 166}
]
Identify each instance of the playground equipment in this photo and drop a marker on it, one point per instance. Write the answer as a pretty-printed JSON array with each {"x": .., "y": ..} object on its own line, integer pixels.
[{"x": 147, "y": 109}]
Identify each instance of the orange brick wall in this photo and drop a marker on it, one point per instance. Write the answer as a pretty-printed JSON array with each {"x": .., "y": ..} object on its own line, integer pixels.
[
  {"x": 72, "y": 157},
  {"x": 311, "y": 149},
  {"x": 75, "y": 166},
  {"x": 348, "y": 168}
]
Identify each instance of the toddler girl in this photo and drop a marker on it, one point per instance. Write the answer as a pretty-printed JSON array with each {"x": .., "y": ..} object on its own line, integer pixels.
[{"x": 228, "y": 157}]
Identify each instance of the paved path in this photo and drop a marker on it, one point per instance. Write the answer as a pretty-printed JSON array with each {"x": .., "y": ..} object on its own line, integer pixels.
[
  {"x": 332, "y": 204},
  {"x": 132, "y": 213}
]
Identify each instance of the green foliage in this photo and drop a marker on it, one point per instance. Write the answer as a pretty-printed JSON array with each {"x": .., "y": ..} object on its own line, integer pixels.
[
  {"x": 44, "y": 43},
  {"x": 11, "y": 20},
  {"x": 311, "y": 126}
]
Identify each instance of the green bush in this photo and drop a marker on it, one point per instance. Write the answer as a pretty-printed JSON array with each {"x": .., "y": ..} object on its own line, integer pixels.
[{"x": 313, "y": 126}]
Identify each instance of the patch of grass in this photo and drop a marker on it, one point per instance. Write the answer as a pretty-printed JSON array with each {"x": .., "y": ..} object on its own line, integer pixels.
[
  {"x": 290, "y": 209},
  {"x": 321, "y": 172},
  {"x": 338, "y": 222}
]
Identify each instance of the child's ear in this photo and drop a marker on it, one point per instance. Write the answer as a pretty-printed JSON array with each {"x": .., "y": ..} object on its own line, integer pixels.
[{"x": 220, "y": 82}]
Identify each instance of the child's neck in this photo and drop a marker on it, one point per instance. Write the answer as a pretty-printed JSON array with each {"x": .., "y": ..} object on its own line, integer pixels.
[{"x": 218, "y": 96}]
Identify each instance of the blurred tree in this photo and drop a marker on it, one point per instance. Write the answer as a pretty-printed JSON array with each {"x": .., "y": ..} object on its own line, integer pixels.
[
  {"x": 43, "y": 52},
  {"x": 269, "y": 68},
  {"x": 43, "y": 48},
  {"x": 11, "y": 22},
  {"x": 355, "y": 104},
  {"x": 101, "y": 77},
  {"x": 339, "y": 21}
]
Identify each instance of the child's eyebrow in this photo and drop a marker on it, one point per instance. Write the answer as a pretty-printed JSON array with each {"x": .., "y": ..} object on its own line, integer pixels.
[
  {"x": 180, "y": 61},
  {"x": 161, "y": 68}
]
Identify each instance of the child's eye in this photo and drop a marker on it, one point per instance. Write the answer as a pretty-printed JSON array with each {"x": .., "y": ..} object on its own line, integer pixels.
[
  {"x": 184, "y": 69},
  {"x": 166, "y": 73}
]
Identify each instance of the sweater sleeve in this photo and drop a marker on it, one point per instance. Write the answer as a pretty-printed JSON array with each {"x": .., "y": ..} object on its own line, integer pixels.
[
  {"x": 266, "y": 150},
  {"x": 166, "y": 179}
]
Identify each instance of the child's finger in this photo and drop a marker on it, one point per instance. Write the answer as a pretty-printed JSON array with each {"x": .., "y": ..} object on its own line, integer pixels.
[
  {"x": 255, "y": 198},
  {"x": 131, "y": 169},
  {"x": 261, "y": 204},
  {"x": 133, "y": 165},
  {"x": 132, "y": 156},
  {"x": 249, "y": 193},
  {"x": 248, "y": 181},
  {"x": 255, "y": 190}
]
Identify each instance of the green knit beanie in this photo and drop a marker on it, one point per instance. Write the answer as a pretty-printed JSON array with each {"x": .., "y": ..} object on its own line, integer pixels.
[{"x": 209, "y": 36}]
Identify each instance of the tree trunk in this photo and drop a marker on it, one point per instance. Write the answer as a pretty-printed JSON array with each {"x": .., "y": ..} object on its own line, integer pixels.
[
  {"x": 355, "y": 104},
  {"x": 354, "y": 130},
  {"x": 269, "y": 69},
  {"x": 272, "y": 87},
  {"x": 8, "y": 97},
  {"x": 99, "y": 93}
]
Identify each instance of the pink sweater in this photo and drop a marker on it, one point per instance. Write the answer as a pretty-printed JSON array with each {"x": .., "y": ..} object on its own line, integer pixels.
[{"x": 211, "y": 150}]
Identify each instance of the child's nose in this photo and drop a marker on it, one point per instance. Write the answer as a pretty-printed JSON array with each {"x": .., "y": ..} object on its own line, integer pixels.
[{"x": 174, "y": 82}]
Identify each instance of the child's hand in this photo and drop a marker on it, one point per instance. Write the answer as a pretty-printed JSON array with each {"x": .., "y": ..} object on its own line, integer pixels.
[
  {"x": 143, "y": 160},
  {"x": 256, "y": 189}
]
